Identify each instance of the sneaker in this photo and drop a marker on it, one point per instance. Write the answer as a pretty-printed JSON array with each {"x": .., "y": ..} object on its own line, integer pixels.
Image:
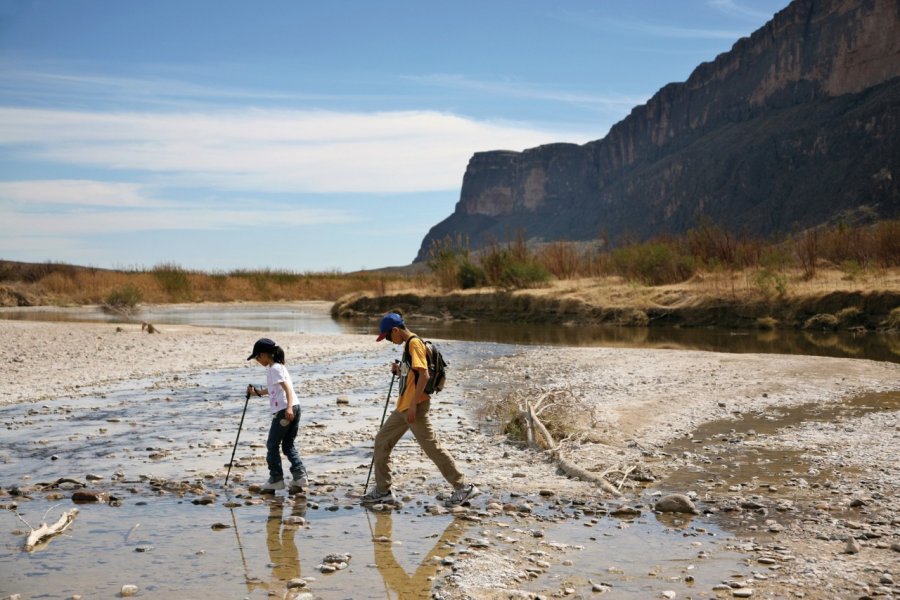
[
  {"x": 377, "y": 497},
  {"x": 463, "y": 494},
  {"x": 299, "y": 485},
  {"x": 271, "y": 485}
]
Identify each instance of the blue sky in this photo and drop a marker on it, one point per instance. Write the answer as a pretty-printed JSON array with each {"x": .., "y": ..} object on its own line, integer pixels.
[{"x": 305, "y": 136}]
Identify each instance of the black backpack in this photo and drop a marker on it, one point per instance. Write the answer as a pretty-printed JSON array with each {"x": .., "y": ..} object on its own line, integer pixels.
[{"x": 437, "y": 366}]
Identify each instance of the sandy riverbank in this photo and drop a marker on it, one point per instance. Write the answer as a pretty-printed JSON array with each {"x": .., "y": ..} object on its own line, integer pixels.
[{"x": 635, "y": 406}]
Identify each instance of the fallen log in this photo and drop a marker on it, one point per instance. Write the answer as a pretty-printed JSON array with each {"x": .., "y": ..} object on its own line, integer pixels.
[
  {"x": 568, "y": 467},
  {"x": 45, "y": 532}
]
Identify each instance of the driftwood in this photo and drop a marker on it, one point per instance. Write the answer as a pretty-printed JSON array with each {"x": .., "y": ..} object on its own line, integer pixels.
[
  {"x": 568, "y": 467},
  {"x": 45, "y": 532}
]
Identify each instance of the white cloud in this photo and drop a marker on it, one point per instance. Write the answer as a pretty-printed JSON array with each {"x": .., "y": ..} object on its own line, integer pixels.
[
  {"x": 24, "y": 224},
  {"x": 734, "y": 8},
  {"x": 72, "y": 191},
  {"x": 270, "y": 150},
  {"x": 614, "y": 102}
]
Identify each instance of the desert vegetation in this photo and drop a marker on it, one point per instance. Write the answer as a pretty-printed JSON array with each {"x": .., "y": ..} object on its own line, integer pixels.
[
  {"x": 707, "y": 252},
  {"x": 25, "y": 284},
  {"x": 707, "y": 261}
]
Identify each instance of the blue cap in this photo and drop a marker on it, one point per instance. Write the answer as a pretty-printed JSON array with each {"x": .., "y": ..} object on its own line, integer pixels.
[{"x": 388, "y": 322}]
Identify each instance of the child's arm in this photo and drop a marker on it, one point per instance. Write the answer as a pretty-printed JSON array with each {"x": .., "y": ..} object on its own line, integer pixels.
[{"x": 289, "y": 395}]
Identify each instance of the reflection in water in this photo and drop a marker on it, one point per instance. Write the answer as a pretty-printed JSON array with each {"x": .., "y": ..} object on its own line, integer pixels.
[
  {"x": 314, "y": 317},
  {"x": 283, "y": 555},
  {"x": 396, "y": 579}
]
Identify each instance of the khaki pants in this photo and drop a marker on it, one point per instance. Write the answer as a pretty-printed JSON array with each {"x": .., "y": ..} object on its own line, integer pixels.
[{"x": 391, "y": 432}]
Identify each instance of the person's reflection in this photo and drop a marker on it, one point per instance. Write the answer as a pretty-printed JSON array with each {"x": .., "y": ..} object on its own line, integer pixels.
[
  {"x": 417, "y": 585},
  {"x": 283, "y": 555}
]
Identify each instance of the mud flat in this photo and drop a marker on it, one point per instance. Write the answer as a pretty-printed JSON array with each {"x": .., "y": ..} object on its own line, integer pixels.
[{"x": 790, "y": 461}]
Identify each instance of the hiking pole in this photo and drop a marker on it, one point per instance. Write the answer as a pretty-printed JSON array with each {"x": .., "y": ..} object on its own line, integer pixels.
[
  {"x": 386, "y": 402},
  {"x": 241, "y": 426}
]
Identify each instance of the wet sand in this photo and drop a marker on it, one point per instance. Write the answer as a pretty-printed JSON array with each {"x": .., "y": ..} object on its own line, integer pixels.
[{"x": 641, "y": 408}]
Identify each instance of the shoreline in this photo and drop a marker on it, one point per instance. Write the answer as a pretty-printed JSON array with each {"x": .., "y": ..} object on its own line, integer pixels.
[{"x": 641, "y": 407}]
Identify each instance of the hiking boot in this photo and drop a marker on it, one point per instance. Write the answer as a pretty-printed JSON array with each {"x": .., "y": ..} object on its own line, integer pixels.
[
  {"x": 378, "y": 497},
  {"x": 271, "y": 485},
  {"x": 299, "y": 485},
  {"x": 463, "y": 494}
]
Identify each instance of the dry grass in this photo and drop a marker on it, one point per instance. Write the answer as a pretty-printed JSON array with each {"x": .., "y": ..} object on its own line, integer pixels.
[{"x": 60, "y": 284}]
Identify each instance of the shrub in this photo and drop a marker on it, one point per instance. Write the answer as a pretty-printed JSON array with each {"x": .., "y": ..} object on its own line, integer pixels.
[
  {"x": 821, "y": 321},
  {"x": 124, "y": 299},
  {"x": 174, "y": 281},
  {"x": 892, "y": 321},
  {"x": 770, "y": 283},
  {"x": 445, "y": 259},
  {"x": 652, "y": 263},
  {"x": 523, "y": 275},
  {"x": 470, "y": 275},
  {"x": 767, "y": 323}
]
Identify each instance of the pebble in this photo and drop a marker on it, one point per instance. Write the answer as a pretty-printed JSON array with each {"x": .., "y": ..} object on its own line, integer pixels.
[
  {"x": 128, "y": 590},
  {"x": 742, "y": 593},
  {"x": 852, "y": 547}
]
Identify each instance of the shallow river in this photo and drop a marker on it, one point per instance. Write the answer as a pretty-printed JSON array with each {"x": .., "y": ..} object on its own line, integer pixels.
[{"x": 157, "y": 538}]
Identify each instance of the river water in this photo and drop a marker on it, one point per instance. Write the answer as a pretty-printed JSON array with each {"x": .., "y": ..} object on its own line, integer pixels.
[{"x": 242, "y": 546}]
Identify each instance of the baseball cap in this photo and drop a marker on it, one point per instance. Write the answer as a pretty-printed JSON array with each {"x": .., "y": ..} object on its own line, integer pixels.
[
  {"x": 262, "y": 345},
  {"x": 388, "y": 322}
]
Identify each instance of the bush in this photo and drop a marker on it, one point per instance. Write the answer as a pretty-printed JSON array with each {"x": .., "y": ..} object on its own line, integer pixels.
[
  {"x": 174, "y": 281},
  {"x": 770, "y": 283},
  {"x": 124, "y": 299},
  {"x": 653, "y": 263},
  {"x": 821, "y": 321},
  {"x": 523, "y": 275},
  {"x": 445, "y": 259},
  {"x": 470, "y": 275}
]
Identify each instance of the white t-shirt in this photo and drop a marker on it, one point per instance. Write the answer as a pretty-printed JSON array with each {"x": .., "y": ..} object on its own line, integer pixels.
[{"x": 275, "y": 374}]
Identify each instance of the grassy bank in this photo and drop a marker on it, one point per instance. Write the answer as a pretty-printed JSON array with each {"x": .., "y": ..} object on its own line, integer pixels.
[{"x": 33, "y": 284}]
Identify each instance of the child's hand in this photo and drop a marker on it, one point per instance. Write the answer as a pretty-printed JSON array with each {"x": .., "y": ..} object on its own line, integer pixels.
[{"x": 250, "y": 390}]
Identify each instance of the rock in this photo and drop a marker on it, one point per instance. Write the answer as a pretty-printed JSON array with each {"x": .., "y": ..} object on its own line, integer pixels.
[
  {"x": 343, "y": 400},
  {"x": 669, "y": 594},
  {"x": 625, "y": 512},
  {"x": 128, "y": 590},
  {"x": 296, "y": 583},
  {"x": 88, "y": 496},
  {"x": 675, "y": 503},
  {"x": 742, "y": 593},
  {"x": 852, "y": 547}
]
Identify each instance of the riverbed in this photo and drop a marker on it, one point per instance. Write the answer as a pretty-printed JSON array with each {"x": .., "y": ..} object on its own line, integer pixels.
[{"x": 149, "y": 421}]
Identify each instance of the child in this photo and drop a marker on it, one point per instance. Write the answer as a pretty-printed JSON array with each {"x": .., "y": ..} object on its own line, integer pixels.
[
  {"x": 285, "y": 417},
  {"x": 411, "y": 413}
]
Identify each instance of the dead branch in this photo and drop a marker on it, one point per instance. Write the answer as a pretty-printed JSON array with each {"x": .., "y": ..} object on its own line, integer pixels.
[{"x": 45, "y": 532}]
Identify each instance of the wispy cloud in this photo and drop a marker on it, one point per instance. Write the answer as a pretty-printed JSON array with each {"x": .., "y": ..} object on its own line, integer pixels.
[
  {"x": 269, "y": 150},
  {"x": 615, "y": 102},
  {"x": 732, "y": 7},
  {"x": 76, "y": 192},
  {"x": 62, "y": 207}
]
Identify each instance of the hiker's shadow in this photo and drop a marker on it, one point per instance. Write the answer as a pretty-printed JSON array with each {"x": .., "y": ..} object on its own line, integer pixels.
[{"x": 419, "y": 583}]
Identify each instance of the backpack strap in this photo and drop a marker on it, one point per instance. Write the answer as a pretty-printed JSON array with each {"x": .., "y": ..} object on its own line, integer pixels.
[{"x": 407, "y": 358}]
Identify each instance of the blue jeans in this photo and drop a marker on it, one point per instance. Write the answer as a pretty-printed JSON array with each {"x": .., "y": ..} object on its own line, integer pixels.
[{"x": 283, "y": 437}]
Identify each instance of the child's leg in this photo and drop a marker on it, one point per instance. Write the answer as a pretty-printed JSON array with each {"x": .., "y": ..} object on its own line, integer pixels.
[
  {"x": 298, "y": 470},
  {"x": 273, "y": 458}
]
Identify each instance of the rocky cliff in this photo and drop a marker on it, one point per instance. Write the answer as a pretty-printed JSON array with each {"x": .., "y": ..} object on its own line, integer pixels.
[{"x": 797, "y": 125}]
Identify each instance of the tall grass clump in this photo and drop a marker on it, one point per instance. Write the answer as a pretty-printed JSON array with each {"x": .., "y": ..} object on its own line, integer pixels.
[
  {"x": 174, "y": 281},
  {"x": 124, "y": 299},
  {"x": 653, "y": 263},
  {"x": 513, "y": 265}
]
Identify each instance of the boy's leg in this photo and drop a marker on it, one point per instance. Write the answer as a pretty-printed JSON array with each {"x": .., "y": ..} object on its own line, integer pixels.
[
  {"x": 387, "y": 437},
  {"x": 426, "y": 438}
]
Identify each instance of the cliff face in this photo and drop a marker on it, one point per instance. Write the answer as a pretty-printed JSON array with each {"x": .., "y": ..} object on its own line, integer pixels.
[{"x": 794, "y": 126}]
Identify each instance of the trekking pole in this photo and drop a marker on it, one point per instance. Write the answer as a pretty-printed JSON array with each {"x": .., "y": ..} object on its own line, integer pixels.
[
  {"x": 386, "y": 402},
  {"x": 241, "y": 426}
]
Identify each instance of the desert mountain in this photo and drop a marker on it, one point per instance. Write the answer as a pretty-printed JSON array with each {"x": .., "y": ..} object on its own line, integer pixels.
[{"x": 795, "y": 126}]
